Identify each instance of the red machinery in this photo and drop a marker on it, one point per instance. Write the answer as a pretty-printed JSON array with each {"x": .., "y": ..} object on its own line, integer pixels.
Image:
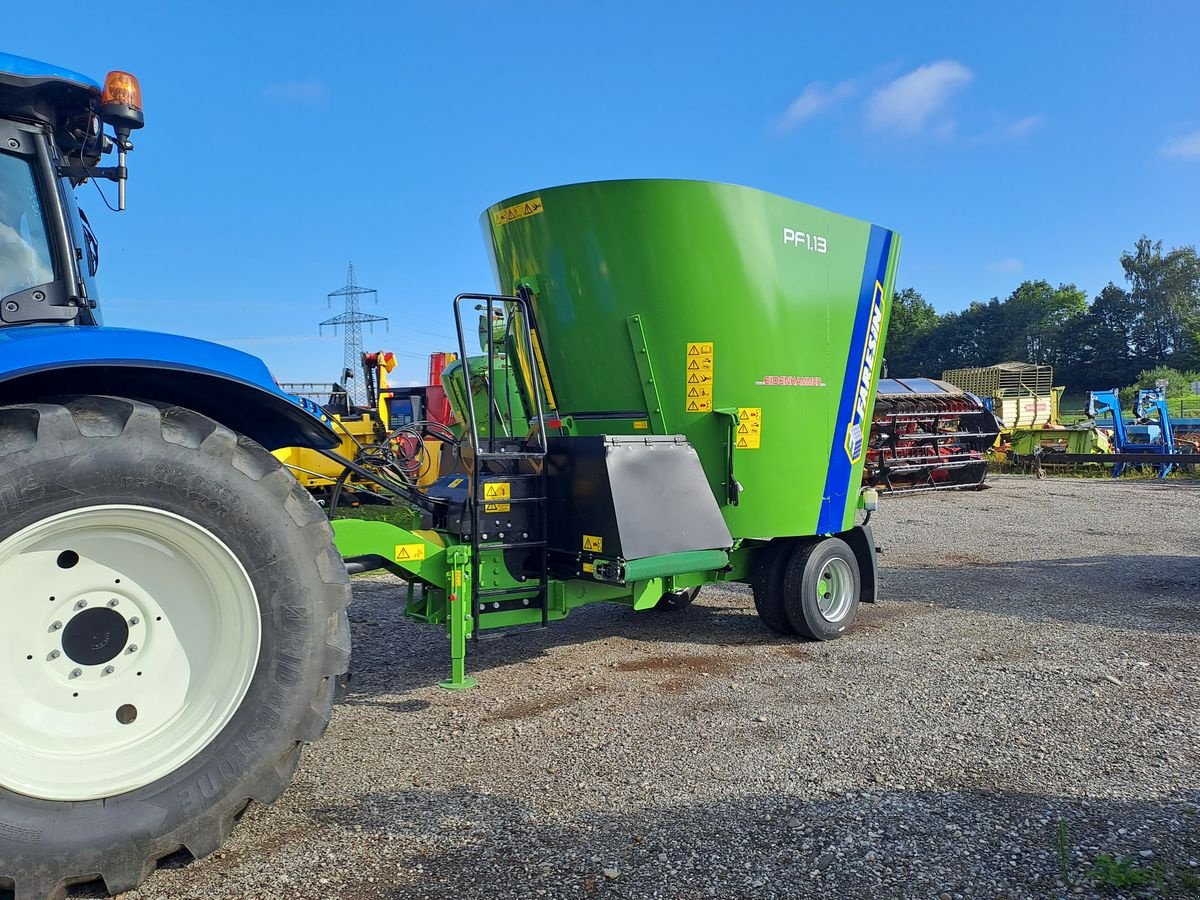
[{"x": 928, "y": 435}]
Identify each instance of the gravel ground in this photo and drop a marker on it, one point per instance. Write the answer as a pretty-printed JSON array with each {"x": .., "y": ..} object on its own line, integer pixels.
[{"x": 1025, "y": 698}]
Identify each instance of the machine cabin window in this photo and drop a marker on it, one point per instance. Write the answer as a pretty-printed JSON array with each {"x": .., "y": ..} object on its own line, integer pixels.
[{"x": 25, "y": 259}]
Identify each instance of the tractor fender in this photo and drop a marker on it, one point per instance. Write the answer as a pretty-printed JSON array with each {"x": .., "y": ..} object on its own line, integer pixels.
[{"x": 227, "y": 385}]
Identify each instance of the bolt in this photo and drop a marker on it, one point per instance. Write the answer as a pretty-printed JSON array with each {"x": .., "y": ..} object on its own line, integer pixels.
[
  {"x": 135, "y": 621},
  {"x": 108, "y": 670},
  {"x": 501, "y": 535},
  {"x": 131, "y": 649},
  {"x": 54, "y": 654},
  {"x": 114, "y": 602},
  {"x": 11, "y": 306},
  {"x": 55, "y": 626},
  {"x": 81, "y": 604},
  {"x": 75, "y": 673},
  {"x": 13, "y": 143}
]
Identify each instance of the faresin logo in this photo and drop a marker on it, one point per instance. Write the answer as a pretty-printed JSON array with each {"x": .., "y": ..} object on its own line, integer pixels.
[{"x": 866, "y": 374}]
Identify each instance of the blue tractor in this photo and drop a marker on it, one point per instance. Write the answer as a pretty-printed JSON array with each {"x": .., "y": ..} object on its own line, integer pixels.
[{"x": 175, "y": 621}]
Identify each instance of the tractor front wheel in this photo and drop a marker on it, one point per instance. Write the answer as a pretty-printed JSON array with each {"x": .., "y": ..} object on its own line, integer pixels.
[{"x": 174, "y": 628}]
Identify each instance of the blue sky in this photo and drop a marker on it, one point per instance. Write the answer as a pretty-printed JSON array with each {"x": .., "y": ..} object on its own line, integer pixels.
[{"x": 1004, "y": 141}]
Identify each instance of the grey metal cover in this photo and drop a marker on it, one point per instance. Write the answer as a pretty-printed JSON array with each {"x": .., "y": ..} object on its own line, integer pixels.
[{"x": 642, "y": 496}]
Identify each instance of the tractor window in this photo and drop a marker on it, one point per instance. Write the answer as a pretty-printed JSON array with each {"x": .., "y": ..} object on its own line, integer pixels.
[{"x": 25, "y": 258}]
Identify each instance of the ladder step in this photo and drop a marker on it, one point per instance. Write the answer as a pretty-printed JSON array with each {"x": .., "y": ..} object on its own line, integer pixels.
[{"x": 521, "y": 593}]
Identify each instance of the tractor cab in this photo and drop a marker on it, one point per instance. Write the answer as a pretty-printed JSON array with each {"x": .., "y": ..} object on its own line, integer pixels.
[{"x": 52, "y": 139}]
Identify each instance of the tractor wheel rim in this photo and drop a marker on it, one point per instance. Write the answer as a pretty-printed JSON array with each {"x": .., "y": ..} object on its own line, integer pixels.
[
  {"x": 835, "y": 590},
  {"x": 132, "y": 635}
]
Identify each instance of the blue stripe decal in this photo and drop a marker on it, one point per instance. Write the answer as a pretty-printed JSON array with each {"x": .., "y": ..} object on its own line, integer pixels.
[{"x": 850, "y": 431}]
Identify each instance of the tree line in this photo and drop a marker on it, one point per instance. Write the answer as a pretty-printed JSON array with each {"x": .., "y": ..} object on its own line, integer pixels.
[{"x": 1151, "y": 321}]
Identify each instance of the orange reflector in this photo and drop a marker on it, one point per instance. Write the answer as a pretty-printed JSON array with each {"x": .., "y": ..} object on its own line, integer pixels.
[{"x": 122, "y": 88}]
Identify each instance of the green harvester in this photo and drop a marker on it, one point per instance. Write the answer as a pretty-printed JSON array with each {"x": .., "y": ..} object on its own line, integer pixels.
[{"x": 673, "y": 387}]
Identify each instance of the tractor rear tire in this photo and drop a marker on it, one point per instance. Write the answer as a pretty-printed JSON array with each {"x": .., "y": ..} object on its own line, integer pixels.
[
  {"x": 124, "y": 521},
  {"x": 822, "y": 586},
  {"x": 770, "y": 565}
]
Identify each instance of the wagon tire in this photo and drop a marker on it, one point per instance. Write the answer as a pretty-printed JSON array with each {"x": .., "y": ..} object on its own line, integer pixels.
[
  {"x": 770, "y": 565},
  {"x": 148, "y": 536},
  {"x": 822, "y": 587}
]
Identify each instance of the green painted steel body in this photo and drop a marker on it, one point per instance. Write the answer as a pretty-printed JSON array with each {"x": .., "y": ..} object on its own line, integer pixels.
[
  {"x": 793, "y": 300},
  {"x": 667, "y": 307}
]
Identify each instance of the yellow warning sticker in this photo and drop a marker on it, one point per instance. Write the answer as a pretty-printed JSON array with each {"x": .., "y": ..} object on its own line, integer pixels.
[
  {"x": 456, "y": 482},
  {"x": 589, "y": 568},
  {"x": 496, "y": 507},
  {"x": 497, "y": 490},
  {"x": 641, "y": 425},
  {"x": 456, "y": 578},
  {"x": 749, "y": 427},
  {"x": 409, "y": 552},
  {"x": 518, "y": 211},
  {"x": 699, "y": 376},
  {"x": 593, "y": 544}
]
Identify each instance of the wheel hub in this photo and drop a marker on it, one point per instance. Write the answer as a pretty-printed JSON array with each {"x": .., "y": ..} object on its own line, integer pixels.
[{"x": 95, "y": 636}]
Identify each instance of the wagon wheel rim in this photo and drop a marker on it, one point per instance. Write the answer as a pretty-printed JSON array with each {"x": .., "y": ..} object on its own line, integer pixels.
[
  {"x": 133, "y": 636},
  {"x": 835, "y": 590}
]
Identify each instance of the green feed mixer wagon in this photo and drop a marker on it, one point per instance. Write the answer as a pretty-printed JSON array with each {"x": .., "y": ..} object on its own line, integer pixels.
[{"x": 672, "y": 389}]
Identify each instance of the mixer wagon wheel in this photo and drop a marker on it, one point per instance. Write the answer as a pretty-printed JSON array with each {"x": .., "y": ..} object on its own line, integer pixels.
[
  {"x": 677, "y": 599},
  {"x": 821, "y": 589},
  {"x": 767, "y": 583},
  {"x": 174, "y": 627}
]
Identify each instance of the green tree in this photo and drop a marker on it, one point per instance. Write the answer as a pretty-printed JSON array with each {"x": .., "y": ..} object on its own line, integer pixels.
[
  {"x": 1106, "y": 357},
  {"x": 1179, "y": 383},
  {"x": 912, "y": 317},
  {"x": 1166, "y": 289}
]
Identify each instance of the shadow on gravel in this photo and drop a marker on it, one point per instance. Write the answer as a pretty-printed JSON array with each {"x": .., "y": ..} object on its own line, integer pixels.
[
  {"x": 1142, "y": 592},
  {"x": 876, "y": 844},
  {"x": 393, "y": 655}
]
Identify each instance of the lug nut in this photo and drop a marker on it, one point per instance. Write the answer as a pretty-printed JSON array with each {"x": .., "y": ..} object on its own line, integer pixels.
[
  {"x": 54, "y": 654},
  {"x": 131, "y": 649},
  {"x": 135, "y": 621},
  {"x": 75, "y": 673},
  {"x": 113, "y": 602},
  {"x": 81, "y": 604},
  {"x": 108, "y": 670},
  {"x": 54, "y": 626}
]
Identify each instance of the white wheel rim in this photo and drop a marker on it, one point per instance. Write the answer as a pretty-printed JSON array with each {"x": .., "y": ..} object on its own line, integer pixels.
[
  {"x": 166, "y": 596},
  {"x": 835, "y": 589}
]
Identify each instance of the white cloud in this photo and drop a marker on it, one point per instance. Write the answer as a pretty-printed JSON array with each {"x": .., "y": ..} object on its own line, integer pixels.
[
  {"x": 1005, "y": 266},
  {"x": 814, "y": 98},
  {"x": 307, "y": 93},
  {"x": 1019, "y": 128},
  {"x": 1186, "y": 146},
  {"x": 905, "y": 105}
]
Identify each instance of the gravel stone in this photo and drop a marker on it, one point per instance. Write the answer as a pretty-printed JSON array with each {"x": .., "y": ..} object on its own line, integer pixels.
[{"x": 966, "y": 739}]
